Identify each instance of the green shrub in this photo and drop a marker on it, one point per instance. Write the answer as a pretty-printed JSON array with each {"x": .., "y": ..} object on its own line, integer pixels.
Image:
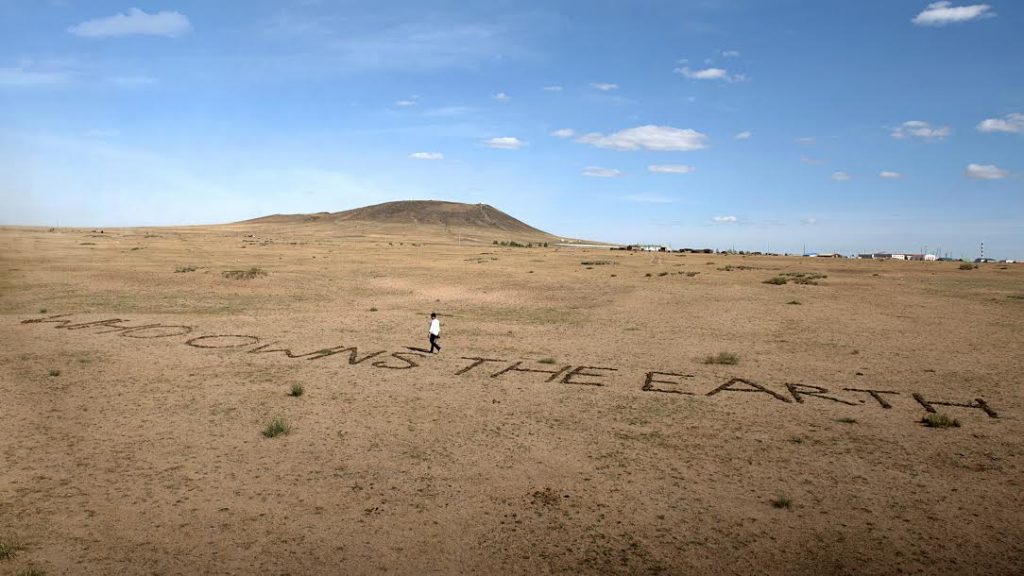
[
  {"x": 723, "y": 358},
  {"x": 777, "y": 281},
  {"x": 296, "y": 390},
  {"x": 249, "y": 274},
  {"x": 276, "y": 427},
  {"x": 781, "y": 501},
  {"x": 940, "y": 421}
]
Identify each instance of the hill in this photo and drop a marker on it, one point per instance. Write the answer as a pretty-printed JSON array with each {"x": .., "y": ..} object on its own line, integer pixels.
[{"x": 481, "y": 218}]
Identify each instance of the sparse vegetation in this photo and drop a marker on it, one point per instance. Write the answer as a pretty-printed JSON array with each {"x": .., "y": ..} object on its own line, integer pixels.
[
  {"x": 514, "y": 244},
  {"x": 54, "y": 373},
  {"x": 846, "y": 420},
  {"x": 967, "y": 266},
  {"x": 43, "y": 310},
  {"x": 31, "y": 571},
  {"x": 1011, "y": 297},
  {"x": 249, "y": 274},
  {"x": 546, "y": 361},
  {"x": 810, "y": 278},
  {"x": 8, "y": 549},
  {"x": 184, "y": 269},
  {"x": 940, "y": 421},
  {"x": 296, "y": 391},
  {"x": 373, "y": 309},
  {"x": 723, "y": 358},
  {"x": 776, "y": 280},
  {"x": 794, "y": 302},
  {"x": 730, "y": 268},
  {"x": 276, "y": 427},
  {"x": 782, "y": 501},
  {"x": 597, "y": 262}
]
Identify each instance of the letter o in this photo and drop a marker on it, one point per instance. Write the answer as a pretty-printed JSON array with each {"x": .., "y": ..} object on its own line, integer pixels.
[{"x": 242, "y": 340}]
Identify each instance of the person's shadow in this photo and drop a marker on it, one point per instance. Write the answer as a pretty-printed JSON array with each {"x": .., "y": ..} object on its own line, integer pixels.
[{"x": 415, "y": 349}]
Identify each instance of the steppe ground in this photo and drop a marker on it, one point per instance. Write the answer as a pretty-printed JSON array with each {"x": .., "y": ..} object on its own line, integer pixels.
[{"x": 143, "y": 451}]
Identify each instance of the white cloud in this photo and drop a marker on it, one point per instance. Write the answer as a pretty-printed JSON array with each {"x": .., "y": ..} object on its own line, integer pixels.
[
  {"x": 730, "y": 53},
  {"x": 710, "y": 74},
  {"x": 406, "y": 103},
  {"x": 502, "y": 97},
  {"x": 812, "y": 161},
  {"x": 942, "y": 13},
  {"x": 604, "y": 86},
  {"x": 552, "y": 88},
  {"x": 725, "y": 219},
  {"x": 20, "y": 77},
  {"x": 919, "y": 129},
  {"x": 745, "y": 135},
  {"x": 505, "y": 143},
  {"x": 564, "y": 133},
  {"x": 598, "y": 172},
  {"x": 841, "y": 177},
  {"x": 135, "y": 21},
  {"x": 670, "y": 169},
  {"x": 985, "y": 172},
  {"x": 889, "y": 175},
  {"x": 806, "y": 140},
  {"x": 810, "y": 221},
  {"x": 649, "y": 137},
  {"x": 1012, "y": 123},
  {"x": 427, "y": 156},
  {"x": 648, "y": 199}
]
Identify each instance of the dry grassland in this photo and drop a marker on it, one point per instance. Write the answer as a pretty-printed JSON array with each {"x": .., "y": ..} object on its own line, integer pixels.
[{"x": 144, "y": 445}]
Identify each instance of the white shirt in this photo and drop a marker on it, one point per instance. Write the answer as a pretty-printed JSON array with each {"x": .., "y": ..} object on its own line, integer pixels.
[{"x": 435, "y": 327}]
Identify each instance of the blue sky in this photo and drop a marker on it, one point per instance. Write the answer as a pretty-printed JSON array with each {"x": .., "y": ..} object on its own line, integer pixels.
[{"x": 842, "y": 125}]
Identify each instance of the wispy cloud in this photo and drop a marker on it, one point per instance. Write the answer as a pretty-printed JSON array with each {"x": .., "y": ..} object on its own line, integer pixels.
[
  {"x": 406, "y": 103},
  {"x": 943, "y": 13},
  {"x": 564, "y": 133},
  {"x": 133, "y": 81},
  {"x": 599, "y": 172},
  {"x": 26, "y": 77},
  {"x": 725, "y": 219},
  {"x": 649, "y": 137},
  {"x": 670, "y": 169},
  {"x": 812, "y": 161},
  {"x": 920, "y": 129},
  {"x": 809, "y": 221},
  {"x": 730, "y": 53},
  {"x": 604, "y": 86},
  {"x": 502, "y": 97},
  {"x": 134, "y": 22},
  {"x": 889, "y": 175},
  {"x": 807, "y": 140},
  {"x": 418, "y": 46},
  {"x": 841, "y": 177},
  {"x": 745, "y": 135},
  {"x": 710, "y": 74},
  {"x": 505, "y": 143},
  {"x": 1012, "y": 123},
  {"x": 552, "y": 88},
  {"x": 985, "y": 172},
  {"x": 427, "y": 156}
]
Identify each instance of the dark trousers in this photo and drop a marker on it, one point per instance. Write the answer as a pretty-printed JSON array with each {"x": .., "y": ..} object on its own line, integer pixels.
[{"x": 433, "y": 343}]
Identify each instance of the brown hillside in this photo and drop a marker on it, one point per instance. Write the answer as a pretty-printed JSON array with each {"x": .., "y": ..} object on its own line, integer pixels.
[{"x": 417, "y": 212}]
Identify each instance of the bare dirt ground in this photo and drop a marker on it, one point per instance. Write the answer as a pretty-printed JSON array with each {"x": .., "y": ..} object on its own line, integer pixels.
[{"x": 137, "y": 446}]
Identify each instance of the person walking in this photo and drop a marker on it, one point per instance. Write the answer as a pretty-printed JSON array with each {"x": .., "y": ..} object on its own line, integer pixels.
[{"x": 435, "y": 332}]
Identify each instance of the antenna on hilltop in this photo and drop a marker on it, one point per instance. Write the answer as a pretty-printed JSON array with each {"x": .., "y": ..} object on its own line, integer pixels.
[{"x": 982, "y": 250}]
